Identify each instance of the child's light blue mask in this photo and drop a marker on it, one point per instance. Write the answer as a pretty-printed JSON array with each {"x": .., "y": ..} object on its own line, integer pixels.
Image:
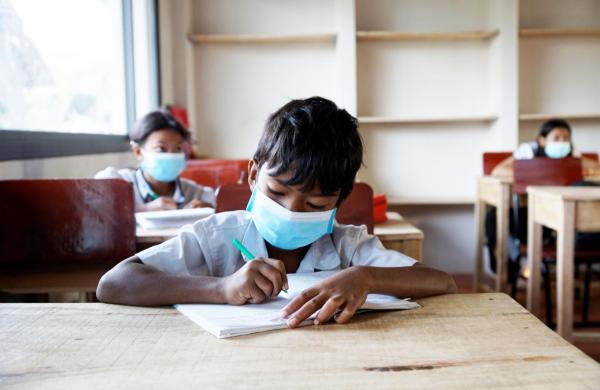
[
  {"x": 287, "y": 229},
  {"x": 557, "y": 149},
  {"x": 164, "y": 167}
]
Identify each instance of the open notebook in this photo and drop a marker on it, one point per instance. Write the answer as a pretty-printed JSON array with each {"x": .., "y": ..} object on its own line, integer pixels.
[
  {"x": 229, "y": 321},
  {"x": 165, "y": 219}
]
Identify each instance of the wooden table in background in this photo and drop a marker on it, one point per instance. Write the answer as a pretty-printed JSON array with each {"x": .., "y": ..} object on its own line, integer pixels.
[
  {"x": 396, "y": 233},
  {"x": 454, "y": 342},
  {"x": 493, "y": 191},
  {"x": 567, "y": 210}
]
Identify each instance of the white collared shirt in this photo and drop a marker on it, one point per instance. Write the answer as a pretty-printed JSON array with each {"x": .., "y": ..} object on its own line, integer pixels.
[
  {"x": 205, "y": 248},
  {"x": 185, "y": 190}
]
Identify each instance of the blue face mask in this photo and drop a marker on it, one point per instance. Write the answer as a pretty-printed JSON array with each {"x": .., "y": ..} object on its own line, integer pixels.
[
  {"x": 164, "y": 167},
  {"x": 557, "y": 149},
  {"x": 287, "y": 229}
]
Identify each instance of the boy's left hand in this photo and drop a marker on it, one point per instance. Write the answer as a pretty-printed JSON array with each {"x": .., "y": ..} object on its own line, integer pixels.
[
  {"x": 195, "y": 203},
  {"x": 346, "y": 291}
]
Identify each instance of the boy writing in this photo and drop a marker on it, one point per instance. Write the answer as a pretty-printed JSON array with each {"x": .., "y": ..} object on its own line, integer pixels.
[{"x": 304, "y": 166}]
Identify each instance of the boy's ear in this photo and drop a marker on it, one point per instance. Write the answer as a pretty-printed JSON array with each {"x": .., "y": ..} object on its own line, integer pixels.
[
  {"x": 137, "y": 151},
  {"x": 252, "y": 173}
]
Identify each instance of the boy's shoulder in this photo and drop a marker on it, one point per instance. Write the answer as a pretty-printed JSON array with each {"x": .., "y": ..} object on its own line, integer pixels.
[
  {"x": 114, "y": 173},
  {"x": 228, "y": 220},
  {"x": 341, "y": 230},
  {"x": 188, "y": 183}
]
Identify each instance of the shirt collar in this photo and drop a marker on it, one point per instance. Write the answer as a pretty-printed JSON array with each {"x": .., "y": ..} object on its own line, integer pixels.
[
  {"x": 148, "y": 195},
  {"x": 321, "y": 255}
]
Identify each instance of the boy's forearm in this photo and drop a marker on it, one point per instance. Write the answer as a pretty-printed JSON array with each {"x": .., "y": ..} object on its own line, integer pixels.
[
  {"x": 134, "y": 283},
  {"x": 417, "y": 281}
]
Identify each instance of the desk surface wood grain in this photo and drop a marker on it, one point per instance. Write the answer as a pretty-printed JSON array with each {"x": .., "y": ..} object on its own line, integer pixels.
[{"x": 454, "y": 341}]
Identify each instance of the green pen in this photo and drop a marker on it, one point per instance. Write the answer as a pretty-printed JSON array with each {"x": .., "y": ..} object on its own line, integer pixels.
[
  {"x": 249, "y": 256},
  {"x": 244, "y": 250}
]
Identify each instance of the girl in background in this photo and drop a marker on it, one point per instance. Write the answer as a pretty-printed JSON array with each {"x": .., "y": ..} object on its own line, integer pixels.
[{"x": 158, "y": 142}]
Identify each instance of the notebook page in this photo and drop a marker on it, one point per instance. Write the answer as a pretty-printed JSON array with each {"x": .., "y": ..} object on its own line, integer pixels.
[{"x": 227, "y": 320}]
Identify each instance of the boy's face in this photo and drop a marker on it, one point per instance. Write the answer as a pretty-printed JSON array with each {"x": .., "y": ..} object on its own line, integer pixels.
[
  {"x": 161, "y": 141},
  {"x": 290, "y": 197}
]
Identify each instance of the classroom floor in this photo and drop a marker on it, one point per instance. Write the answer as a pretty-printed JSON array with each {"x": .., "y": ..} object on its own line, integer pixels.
[{"x": 591, "y": 348}]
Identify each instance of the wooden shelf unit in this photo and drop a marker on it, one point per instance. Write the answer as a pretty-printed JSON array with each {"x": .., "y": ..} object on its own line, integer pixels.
[
  {"x": 559, "y": 33},
  {"x": 373, "y": 61},
  {"x": 394, "y": 36},
  {"x": 260, "y": 38},
  {"x": 536, "y": 116},
  {"x": 425, "y": 119}
]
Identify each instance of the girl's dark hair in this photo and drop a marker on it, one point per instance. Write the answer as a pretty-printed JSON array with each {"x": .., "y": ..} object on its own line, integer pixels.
[
  {"x": 316, "y": 142},
  {"x": 154, "y": 121},
  {"x": 552, "y": 124}
]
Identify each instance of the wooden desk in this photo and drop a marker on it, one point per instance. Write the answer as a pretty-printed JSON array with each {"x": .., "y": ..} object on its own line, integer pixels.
[
  {"x": 493, "y": 191},
  {"x": 396, "y": 233},
  {"x": 567, "y": 210},
  {"x": 454, "y": 341}
]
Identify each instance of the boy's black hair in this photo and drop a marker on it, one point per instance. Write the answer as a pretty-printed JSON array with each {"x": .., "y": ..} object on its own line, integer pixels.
[
  {"x": 154, "y": 121},
  {"x": 316, "y": 141},
  {"x": 552, "y": 124}
]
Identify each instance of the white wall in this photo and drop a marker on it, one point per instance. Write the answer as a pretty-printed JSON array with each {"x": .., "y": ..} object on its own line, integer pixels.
[{"x": 449, "y": 235}]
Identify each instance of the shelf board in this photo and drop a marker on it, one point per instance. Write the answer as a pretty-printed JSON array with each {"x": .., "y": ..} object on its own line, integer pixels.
[
  {"x": 535, "y": 117},
  {"x": 408, "y": 201},
  {"x": 373, "y": 36},
  {"x": 432, "y": 119},
  {"x": 559, "y": 32},
  {"x": 261, "y": 38}
]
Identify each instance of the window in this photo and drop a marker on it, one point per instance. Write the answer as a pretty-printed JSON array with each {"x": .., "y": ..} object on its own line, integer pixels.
[{"x": 69, "y": 72}]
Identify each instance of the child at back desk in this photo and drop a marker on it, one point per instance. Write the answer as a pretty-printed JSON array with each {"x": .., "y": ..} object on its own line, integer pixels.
[
  {"x": 158, "y": 142},
  {"x": 554, "y": 140},
  {"x": 304, "y": 166}
]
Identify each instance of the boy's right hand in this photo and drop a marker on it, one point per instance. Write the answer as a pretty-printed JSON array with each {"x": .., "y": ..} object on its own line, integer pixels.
[
  {"x": 256, "y": 281},
  {"x": 161, "y": 203}
]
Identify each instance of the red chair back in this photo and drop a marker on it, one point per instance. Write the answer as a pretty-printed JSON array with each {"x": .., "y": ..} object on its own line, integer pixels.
[
  {"x": 356, "y": 209},
  {"x": 232, "y": 196},
  {"x": 590, "y": 155},
  {"x": 492, "y": 159},
  {"x": 62, "y": 227},
  {"x": 215, "y": 172},
  {"x": 543, "y": 171}
]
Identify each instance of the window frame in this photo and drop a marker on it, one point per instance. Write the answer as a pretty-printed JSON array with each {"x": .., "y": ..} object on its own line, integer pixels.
[{"x": 26, "y": 144}]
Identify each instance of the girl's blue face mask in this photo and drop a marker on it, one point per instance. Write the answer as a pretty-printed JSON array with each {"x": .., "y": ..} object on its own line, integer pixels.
[
  {"x": 557, "y": 149},
  {"x": 287, "y": 229},
  {"x": 164, "y": 167}
]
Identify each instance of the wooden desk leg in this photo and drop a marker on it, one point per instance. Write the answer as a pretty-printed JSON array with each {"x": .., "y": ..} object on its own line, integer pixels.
[
  {"x": 479, "y": 228},
  {"x": 534, "y": 259},
  {"x": 564, "y": 271},
  {"x": 502, "y": 240}
]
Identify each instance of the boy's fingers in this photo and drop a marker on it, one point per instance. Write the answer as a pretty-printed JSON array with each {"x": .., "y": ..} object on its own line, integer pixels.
[
  {"x": 273, "y": 276},
  {"x": 264, "y": 284},
  {"x": 298, "y": 301},
  {"x": 256, "y": 294},
  {"x": 278, "y": 264},
  {"x": 346, "y": 314},
  {"x": 307, "y": 310},
  {"x": 328, "y": 310}
]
